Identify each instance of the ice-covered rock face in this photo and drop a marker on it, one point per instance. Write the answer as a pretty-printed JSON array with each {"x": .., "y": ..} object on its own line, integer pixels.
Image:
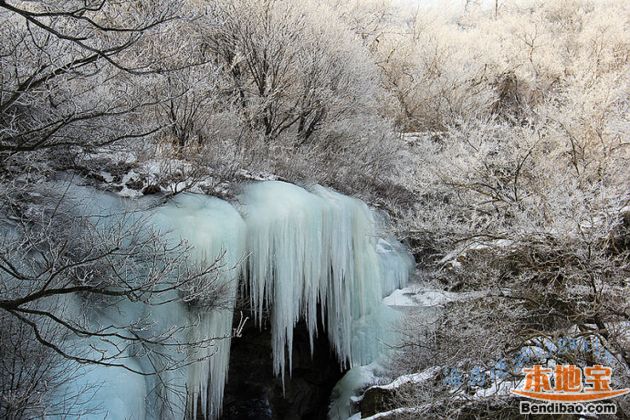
[{"x": 313, "y": 255}]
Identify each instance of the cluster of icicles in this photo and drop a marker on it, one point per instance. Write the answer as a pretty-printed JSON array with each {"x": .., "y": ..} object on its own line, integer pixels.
[{"x": 313, "y": 255}]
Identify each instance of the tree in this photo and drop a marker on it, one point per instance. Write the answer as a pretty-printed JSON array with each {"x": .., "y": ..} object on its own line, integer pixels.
[
  {"x": 75, "y": 76},
  {"x": 101, "y": 258},
  {"x": 73, "y": 67},
  {"x": 287, "y": 72},
  {"x": 82, "y": 288},
  {"x": 29, "y": 373}
]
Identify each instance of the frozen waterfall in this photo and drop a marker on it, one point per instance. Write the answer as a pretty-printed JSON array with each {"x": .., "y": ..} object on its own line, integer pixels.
[{"x": 313, "y": 254}]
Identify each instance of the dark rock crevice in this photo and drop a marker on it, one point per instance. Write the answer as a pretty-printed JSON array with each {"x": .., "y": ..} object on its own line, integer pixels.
[{"x": 254, "y": 392}]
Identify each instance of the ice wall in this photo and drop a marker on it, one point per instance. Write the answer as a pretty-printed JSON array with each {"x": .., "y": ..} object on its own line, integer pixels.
[{"x": 309, "y": 254}]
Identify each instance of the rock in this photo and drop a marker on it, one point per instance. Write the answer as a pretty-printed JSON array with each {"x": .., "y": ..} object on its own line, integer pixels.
[
  {"x": 384, "y": 398},
  {"x": 376, "y": 400},
  {"x": 134, "y": 184},
  {"x": 457, "y": 287},
  {"x": 151, "y": 189}
]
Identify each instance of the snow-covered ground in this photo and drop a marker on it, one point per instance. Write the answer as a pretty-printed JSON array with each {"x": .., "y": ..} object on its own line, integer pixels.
[
  {"x": 416, "y": 295},
  {"x": 351, "y": 390},
  {"x": 130, "y": 175},
  {"x": 497, "y": 383}
]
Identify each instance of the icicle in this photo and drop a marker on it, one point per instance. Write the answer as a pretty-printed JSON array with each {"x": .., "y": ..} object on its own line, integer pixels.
[
  {"x": 396, "y": 261},
  {"x": 284, "y": 228},
  {"x": 214, "y": 229},
  {"x": 310, "y": 248}
]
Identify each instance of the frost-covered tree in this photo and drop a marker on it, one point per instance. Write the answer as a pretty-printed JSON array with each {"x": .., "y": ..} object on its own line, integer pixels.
[
  {"x": 59, "y": 267},
  {"x": 288, "y": 71},
  {"x": 73, "y": 67},
  {"x": 29, "y": 373},
  {"x": 303, "y": 88},
  {"x": 523, "y": 190}
]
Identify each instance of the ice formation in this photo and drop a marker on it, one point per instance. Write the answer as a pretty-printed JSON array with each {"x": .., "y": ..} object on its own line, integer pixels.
[
  {"x": 216, "y": 231},
  {"x": 314, "y": 254},
  {"x": 311, "y": 254}
]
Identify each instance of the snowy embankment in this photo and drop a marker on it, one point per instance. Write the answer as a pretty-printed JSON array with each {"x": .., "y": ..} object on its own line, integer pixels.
[
  {"x": 371, "y": 388},
  {"x": 418, "y": 296},
  {"x": 374, "y": 382},
  {"x": 360, "y": 380}
]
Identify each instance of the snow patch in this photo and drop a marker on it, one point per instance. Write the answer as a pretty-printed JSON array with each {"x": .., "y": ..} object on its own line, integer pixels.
[
  {"x": 416, "y": 295},
  {"x": 415, "y": 378}
]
